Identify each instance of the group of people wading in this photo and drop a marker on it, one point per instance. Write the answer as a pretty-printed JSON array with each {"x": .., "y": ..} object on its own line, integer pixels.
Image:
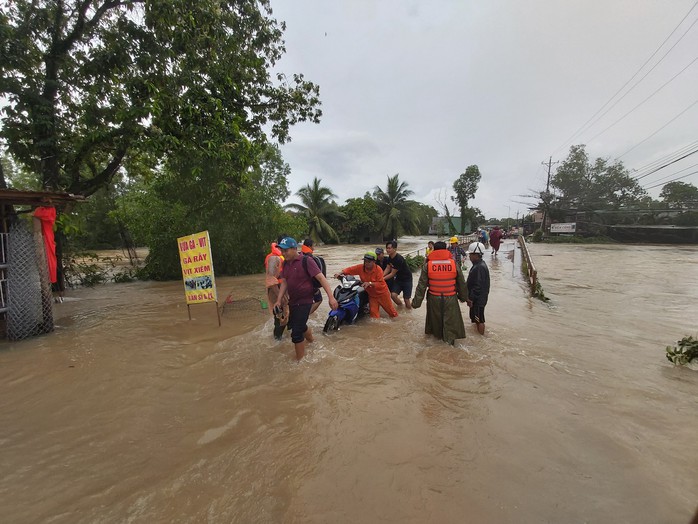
[{"x": 294, "y": 280}]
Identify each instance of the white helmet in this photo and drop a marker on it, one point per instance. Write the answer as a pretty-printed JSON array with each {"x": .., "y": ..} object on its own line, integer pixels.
[{"x": 477, "y": 247}]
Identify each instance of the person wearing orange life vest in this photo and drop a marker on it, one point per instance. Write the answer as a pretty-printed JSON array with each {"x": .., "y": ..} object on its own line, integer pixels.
[
  {"x": 373, "y": 282},
  {"x": 443, "y": 283},
  {"x": 273, "y": 263}
]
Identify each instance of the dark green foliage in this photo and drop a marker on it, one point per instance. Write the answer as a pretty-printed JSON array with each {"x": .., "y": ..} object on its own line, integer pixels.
[
  {"x": 319, "y": 210},
  {"x": 465, "y": 188},
  {"x": 95, "y": 225},
  {"x": 685, "y": 352},
  {"x": 183, "y": 199},
  {"x": 396, "y": 213},
  {"x": 602, "y": 189},
  {"x": 687, "y": 218},
  {"x": 424, "y": 214},
  {"x": 90, "y": 84},
  {"x": 680, "y": 195},
  {"x": 414, "y": 262},
  {"x": 360, "y": 220}
]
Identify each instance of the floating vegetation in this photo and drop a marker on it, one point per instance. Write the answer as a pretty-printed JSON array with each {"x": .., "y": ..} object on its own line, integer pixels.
[
  {"x": 539, "y": 293},
  {"x": 414, "y": 262},
  {"x": 684, "y": 352}
]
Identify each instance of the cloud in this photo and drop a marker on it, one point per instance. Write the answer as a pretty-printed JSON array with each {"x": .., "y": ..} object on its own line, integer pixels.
[{"x": 425, "y": 90}]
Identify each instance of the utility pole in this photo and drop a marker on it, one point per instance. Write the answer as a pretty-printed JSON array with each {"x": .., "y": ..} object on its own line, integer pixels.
[{"x": 546, "y": 200}]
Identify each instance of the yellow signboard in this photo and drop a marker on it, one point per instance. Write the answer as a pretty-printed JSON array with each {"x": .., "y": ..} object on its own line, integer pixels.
[{"x": 197, "y": 268}]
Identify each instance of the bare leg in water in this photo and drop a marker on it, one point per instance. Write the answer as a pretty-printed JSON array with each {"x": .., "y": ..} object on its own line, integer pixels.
[{"x": 300, "y": 346}]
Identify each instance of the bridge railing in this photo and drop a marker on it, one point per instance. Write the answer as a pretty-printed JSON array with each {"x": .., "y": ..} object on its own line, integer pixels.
[
  {"x": 462, "y": 240},
  {"x": 530, "y": 267}
]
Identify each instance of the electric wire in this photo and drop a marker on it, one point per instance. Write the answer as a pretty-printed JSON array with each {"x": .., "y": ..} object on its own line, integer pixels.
[
  {"x": 646, "y": 99},
  {"x": 665, "y": 165},
  {"x": 638, "y": 82},
  {"x": 654, "y": 182},
  {"x": 673, "y": 180},
  {"x": 584, "y": 126},
  {"x": 666, "y": 158},
  {"x": 658, "y": 130}
]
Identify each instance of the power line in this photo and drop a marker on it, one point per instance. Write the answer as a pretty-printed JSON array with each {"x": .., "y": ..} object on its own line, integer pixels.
[
  {"x": 646, "y": 99},
  {"x": 658, "y": 130},
  {"x": 640, "y": 80},
  {"x": 635, "y": 74},
  {"x": 668, "y": 157},
  {"x": 673, "y": 180},
  {"x": 659, "y": 180},
  {"x": 666, "y": 165}
]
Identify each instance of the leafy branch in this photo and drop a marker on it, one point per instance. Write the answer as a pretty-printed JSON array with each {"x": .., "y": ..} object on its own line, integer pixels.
[{"x": 684, "y": 353}]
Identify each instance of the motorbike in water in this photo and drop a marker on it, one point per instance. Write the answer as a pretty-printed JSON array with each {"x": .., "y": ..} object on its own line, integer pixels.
[{"x": 352, "y": 300}]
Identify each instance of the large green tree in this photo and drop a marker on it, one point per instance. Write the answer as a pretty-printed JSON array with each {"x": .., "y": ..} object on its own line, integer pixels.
[
  {"x": 185, "y": 197},
  {"x": 597, "y": 185},
  {"x": 600, "y": 188},
  {"x": 424, "y": 214},
  {"x": 395, "y": 209},
  {"x": 360, "y": 219},
  {"x": 319, "y": 209},
  {"x": 465, "y": 188},
  {"x": 680, "y": 195},
  {"x": 90, "y": 82}
]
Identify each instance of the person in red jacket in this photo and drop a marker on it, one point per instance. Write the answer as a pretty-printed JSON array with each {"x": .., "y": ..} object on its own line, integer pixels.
[
  {"x": 371, "y": 276},
  {"x": 496, "y": 239}
]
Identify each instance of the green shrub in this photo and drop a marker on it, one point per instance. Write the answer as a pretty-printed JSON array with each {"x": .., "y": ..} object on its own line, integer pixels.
[
  {"x": 414, "y": 262},
  {"x": 685, "y": 351}
]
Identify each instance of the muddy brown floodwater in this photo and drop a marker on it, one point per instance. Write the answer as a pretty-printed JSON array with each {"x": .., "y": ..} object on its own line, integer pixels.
[{"x": 565, "y": 412}]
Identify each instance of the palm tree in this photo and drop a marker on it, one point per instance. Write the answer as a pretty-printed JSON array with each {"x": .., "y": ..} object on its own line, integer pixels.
[
  {"x": 395, "y": 210},
  {"x": 318, "y": 209}
]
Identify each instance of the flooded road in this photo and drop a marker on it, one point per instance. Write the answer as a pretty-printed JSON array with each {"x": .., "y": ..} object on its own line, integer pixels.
[{"x": 564, "y": 412}]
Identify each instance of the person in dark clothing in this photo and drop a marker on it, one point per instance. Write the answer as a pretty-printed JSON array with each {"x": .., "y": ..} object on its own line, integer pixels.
[
  {"x": 381, "y": 259},
  {"x": 398, "y": 275},
  {"x": 478, "y": 284}
]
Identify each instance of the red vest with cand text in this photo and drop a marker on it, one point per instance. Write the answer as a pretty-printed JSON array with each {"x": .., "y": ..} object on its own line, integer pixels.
[{"x": 441, "y": 270}]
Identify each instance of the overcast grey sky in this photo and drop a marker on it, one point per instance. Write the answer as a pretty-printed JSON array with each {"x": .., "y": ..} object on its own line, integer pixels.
[{"x": 425, "y": 89}]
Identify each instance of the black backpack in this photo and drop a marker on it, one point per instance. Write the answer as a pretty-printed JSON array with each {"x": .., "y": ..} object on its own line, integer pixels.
[{"x": 320, "y": 263}]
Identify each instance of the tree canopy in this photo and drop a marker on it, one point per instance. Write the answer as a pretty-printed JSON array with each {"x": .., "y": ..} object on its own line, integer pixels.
[
  {"x": 465, "y": 188},
  {"x": 89, "y": 83},
  {"x": 395, "y": 210},
  {"x": 680, "y": 195},
  {"x": 598, "y": 185},
  {"x": 318, "y": 208}
]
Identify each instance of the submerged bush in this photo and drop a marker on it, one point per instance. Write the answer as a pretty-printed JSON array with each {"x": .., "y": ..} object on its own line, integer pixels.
[
  {"x": 685, "y": 351},
  {"x": 414, "y": 262}
]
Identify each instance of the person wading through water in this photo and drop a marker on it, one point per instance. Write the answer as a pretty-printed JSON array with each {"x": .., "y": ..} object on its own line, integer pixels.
[
  {"x": 273, "y": 263},
  {"x": 297, "y": 278},
  {"x": 443, "y": 283},
  {"x": 478, "y": 286},
  {"x": 371, "y": 276},
  {"x": 307, "y": 250}
]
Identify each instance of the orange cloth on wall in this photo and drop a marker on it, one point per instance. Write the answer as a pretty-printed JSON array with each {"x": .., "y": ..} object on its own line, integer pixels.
[{"x": 47, "y": 215}]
